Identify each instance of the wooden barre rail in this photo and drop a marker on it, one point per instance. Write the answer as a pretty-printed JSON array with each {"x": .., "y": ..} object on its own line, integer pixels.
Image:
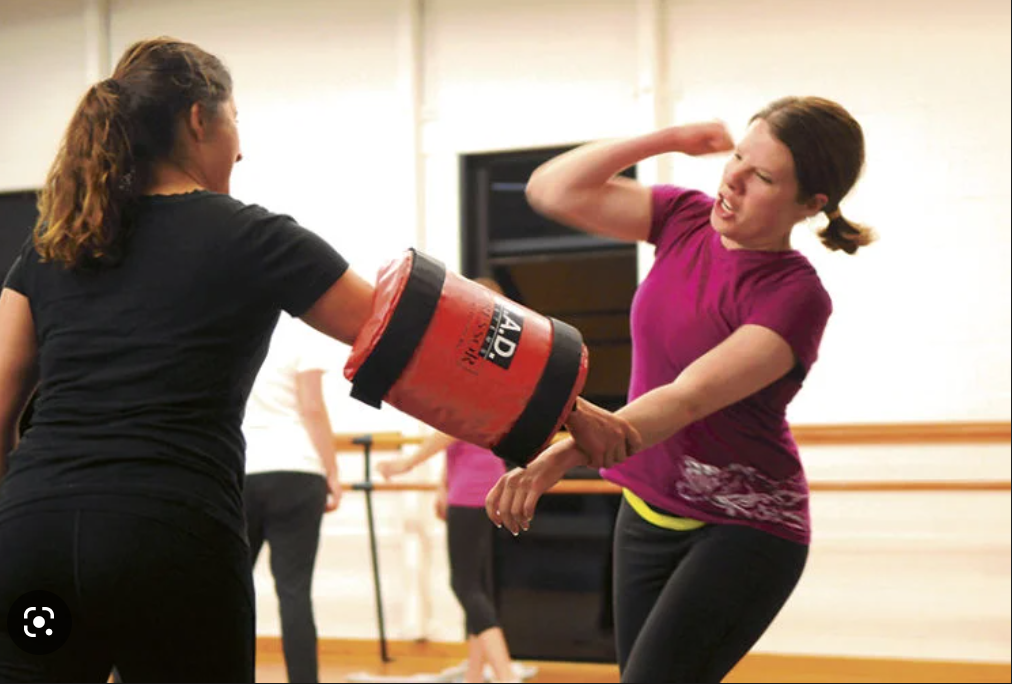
[
  {"x": 904, "y": 433},
  {"x": 381, "y": 441},
  {"x": 605, "y": 487},
  {"x": 891, "y": 433},
  {"x": 811, "y": 434}
]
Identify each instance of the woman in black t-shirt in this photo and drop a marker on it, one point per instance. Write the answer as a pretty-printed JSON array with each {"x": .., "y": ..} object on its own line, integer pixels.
[{"x": 141, "y": 310}]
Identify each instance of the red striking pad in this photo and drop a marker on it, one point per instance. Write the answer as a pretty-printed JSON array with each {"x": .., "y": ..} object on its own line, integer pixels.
[{"x": 467, "y": 361}]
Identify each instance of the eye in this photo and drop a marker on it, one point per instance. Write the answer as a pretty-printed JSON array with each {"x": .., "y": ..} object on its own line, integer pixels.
[{"x": 764, "y": 178}]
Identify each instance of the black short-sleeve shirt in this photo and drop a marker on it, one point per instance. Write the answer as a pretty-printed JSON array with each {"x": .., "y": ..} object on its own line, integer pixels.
[{"x": 145, "y": 367}]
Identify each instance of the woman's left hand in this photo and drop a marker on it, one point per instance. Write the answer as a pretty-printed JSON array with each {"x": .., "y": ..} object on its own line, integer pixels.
[
  {"x": 333, "y": 493},
  {"x": 511, "y": 502}
]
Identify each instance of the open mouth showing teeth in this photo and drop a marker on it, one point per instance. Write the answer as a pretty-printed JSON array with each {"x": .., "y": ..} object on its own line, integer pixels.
[{"x": 725, "y": 206}]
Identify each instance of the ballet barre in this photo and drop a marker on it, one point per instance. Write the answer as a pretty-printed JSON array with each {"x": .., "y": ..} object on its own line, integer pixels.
[{"x": 582, "y": 486}]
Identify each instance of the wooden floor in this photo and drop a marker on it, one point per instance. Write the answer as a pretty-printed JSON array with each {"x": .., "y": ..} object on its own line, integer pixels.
[
  {"x": 343, "y": 657},
  {"x": 337, "y": 662},
  {"x": 272, "y": 669}
]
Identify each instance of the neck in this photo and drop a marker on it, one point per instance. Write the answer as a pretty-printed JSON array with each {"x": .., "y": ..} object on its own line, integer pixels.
[
  {"x": 170, "y": 178},
  {"x": 777, "y": 243}
]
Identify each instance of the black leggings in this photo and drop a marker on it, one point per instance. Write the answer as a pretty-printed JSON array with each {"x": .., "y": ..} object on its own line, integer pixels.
[
  {"x": 469, "y": 537},
  {"x": 689, "y": 605},
  {"x": 285, "y": 509},
  {"x": 162, "y": 601}
]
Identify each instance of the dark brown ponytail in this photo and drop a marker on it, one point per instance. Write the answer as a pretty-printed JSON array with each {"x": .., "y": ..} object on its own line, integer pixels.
[
  {"x": 841, "y": 234},
  {"x": 827, "y": 144}
]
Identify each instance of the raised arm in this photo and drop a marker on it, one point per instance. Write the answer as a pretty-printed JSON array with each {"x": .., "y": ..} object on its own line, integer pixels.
[{"x": 582, "y": 188}]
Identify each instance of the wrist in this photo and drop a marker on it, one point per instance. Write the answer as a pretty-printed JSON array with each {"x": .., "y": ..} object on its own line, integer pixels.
[
  {"x": 565, "y": 455},
  {"x": 671, "y": 139}
]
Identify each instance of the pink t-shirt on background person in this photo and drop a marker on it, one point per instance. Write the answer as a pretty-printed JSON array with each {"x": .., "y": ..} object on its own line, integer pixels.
[
  {"x": 471, "y": 471},
  {"x": 740, "y": 464}
]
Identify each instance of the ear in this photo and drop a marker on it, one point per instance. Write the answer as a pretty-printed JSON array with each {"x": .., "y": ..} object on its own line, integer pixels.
[
  {"x": 197, "y": 122},
  {"x": 814, "y": 204}
]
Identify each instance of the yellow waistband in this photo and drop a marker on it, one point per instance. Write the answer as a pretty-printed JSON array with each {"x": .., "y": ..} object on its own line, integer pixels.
[{"x": 668, "y": 522}]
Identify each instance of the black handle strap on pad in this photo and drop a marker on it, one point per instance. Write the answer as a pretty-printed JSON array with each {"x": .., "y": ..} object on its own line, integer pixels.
[
  {"x": 535, "y": 424},
  {"x": 405, "y": 329}
]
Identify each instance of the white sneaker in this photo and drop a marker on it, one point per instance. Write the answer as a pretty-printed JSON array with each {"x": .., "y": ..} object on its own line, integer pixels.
[
  {"x": 521, "y": 671},
  {"x": 455, "y": 673}
]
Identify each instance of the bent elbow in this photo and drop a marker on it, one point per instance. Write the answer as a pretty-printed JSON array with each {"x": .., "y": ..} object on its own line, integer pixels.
[{"x": 539, "y": 193}]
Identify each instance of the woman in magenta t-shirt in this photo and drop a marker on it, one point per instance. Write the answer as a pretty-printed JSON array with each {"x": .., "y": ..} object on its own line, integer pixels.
[{"x": 714, "y": 528}]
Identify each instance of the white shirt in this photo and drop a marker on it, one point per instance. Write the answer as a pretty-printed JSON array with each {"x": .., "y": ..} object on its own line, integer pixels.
[{"x": 275, "y": 437}]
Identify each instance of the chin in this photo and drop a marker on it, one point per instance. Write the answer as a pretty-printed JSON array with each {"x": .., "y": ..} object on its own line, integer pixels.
[{"x": 720, "y": 225}]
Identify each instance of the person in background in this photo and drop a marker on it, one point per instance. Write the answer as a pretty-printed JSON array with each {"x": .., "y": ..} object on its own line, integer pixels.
[
  {"x": 470, "y": 473},
  {"x": 291, "y": 480}
]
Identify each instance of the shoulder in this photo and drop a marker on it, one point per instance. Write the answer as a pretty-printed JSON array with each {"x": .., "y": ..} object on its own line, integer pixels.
[
  {"x": 674, "y": 203},
  {"x": 248, "y": 216},
  {"x": 791, "y": 280},
  {"x": 676, "y": 213}
]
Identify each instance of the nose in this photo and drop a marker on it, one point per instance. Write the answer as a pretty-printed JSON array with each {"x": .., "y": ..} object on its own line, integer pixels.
[
  {"x": 734, "y": 176},
  {"x": 238, "y": 157}
]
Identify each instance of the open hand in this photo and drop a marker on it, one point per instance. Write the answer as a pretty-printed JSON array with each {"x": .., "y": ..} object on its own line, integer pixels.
[
  {"x": 393, "y": 467},
  {"x": 511, "y": 502},
  {"x": 333, "y": 493}
]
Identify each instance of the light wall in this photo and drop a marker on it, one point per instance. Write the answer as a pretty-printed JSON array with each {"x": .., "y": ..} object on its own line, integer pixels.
[{"x": 354, "y": 115}]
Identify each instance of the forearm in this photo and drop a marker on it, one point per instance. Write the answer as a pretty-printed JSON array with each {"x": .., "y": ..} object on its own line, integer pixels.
[
  {"x": 591, "y": 166},
  {"x": 661, "y": 412},
  {"x": 565, "y": 454},
  {"x": 752, "y": 358},
  {"x": 317, "y": 426},
  {"x": 433, "y": 444}
]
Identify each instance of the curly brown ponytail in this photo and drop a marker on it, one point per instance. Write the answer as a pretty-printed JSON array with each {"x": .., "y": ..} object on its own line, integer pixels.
[
  {"x": 88, "y": 187},
  {"x": 120, "y": 128}
]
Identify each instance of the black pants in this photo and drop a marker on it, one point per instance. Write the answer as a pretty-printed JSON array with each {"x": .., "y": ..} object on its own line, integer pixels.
[
  {"x": 161, "y": 601},
  {"x": 689, "y": 605},
  {"x": 469, "y": 538},
  {"x": 285, "y": 510}
]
